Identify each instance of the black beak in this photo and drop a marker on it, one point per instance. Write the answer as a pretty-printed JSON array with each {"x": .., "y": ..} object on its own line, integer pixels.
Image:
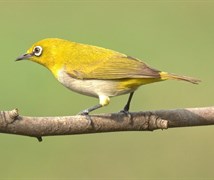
[{"x": 24, "y": 56}]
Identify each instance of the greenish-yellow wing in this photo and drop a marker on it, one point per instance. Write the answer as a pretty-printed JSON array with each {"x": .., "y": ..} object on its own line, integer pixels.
[{"x": 115, "y": 67}]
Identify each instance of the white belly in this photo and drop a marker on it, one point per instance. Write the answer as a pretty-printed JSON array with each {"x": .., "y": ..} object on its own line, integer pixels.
[{"x": 91, "y": 87}]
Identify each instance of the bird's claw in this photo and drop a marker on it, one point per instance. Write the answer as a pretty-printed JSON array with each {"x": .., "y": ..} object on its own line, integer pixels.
[
  {"x": 127, "y": 113},
  {"x": 87, "y": 116},
  {"x": 84, "y": 112}
]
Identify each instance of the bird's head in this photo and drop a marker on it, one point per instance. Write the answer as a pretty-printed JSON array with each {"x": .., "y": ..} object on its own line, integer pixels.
[{"x": 48, "y": 52}]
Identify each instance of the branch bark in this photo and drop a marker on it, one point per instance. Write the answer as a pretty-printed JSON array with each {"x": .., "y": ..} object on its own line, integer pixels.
[{"x": 13, "y": 123}]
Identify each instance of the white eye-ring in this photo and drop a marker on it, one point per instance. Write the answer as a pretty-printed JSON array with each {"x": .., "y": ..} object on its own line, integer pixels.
[{"x": 37, "y": 51}]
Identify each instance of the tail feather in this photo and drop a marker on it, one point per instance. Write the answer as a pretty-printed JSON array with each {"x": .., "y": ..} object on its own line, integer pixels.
[{"x": 165, "y": 76}]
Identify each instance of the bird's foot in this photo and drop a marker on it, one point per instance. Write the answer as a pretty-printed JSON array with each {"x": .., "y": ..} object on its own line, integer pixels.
[
  {"x": 127, "y": 113},
  {"x": 87, "y": 116}
]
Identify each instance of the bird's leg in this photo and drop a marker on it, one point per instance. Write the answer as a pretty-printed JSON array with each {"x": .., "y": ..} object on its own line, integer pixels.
[
  {"x": 104, "y": 100},
  {"x": 126, "y": 107},
  {"x": 87, "y": 111}
]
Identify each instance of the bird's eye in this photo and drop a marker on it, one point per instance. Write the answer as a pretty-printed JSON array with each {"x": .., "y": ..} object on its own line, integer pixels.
[{"x": 37, "y": 51}]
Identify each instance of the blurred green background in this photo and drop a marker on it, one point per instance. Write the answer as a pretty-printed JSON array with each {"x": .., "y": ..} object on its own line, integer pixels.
[{"x": 170, "y": 35}]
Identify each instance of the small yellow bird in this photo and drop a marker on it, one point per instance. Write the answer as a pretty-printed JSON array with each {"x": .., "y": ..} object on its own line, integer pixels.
[{"x": 95, "y": 71}]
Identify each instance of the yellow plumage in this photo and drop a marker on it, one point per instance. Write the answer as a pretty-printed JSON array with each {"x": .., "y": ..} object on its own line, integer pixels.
[{"x": 95, "y": 71}]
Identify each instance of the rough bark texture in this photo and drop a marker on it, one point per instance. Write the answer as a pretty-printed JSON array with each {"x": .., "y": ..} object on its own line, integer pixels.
[{"x": 13, "y": 123}]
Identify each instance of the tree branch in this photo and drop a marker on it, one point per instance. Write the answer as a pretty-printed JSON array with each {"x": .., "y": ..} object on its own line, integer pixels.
[{"x": 13, "y": 123}]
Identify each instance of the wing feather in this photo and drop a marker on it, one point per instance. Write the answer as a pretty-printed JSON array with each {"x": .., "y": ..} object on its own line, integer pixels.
[
  {"x": 121, "y": 68},
  {"x": 113, "y": 66}
]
